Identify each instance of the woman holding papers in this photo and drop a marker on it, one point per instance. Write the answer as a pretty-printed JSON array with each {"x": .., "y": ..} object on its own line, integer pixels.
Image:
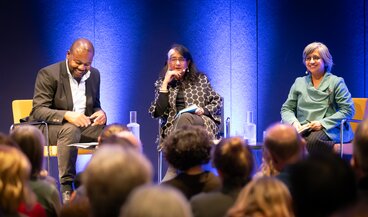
[
  {"x": 318, "y": 102},
  {"x": 181, "y": 87}
]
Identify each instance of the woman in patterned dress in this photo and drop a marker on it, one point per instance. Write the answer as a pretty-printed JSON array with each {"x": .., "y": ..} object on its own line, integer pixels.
[{"x": 181, "y": 85}]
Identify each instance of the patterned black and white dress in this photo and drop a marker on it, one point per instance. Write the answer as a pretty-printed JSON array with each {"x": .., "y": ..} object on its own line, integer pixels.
[{"x": 199, "y": 93}]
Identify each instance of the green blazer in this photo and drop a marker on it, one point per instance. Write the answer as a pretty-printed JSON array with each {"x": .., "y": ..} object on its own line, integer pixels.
[{"x": 329, "y": 104}]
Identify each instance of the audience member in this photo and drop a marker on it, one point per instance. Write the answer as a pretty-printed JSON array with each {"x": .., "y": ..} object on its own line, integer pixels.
[
  {"x": 112, "y": 134},
  {"x": 78, "y": 208},
  {"x": 6, "y": 140},
  {"x": 359, "y": 160},
  {"x": 67, "y": 96},
  {"x": 110, "y": 130},
  {"x": 322, "y": 185},
  {"x": 156, "y": 201},
  {"x": 111, "y": 175},
  {"x": 283, "y": 146},
  {"x": 187, "y": 149},
  {"x": 234, "y": 162},
  {"x": 31, "y": 142},
  {"x": 263, "y": 197},
  {"x": 16, "y": 198}
]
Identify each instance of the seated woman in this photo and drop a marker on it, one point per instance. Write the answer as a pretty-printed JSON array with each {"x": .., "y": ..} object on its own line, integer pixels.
[
  {"x": 318, "y": 102},
  {"x": 181, "y": 85}
]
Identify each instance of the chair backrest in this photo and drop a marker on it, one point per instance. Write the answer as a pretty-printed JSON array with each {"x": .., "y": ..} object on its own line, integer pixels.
[
  {"x": 361, "y": 111},
  {"x": 21, "y": 108}
]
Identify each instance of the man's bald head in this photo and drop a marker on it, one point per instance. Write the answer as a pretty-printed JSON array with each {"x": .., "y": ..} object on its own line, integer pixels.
[
  {"x": 283, "y": 141},
  {"x": 82, "y": 45},
  {"x": 80, "y": 57}
]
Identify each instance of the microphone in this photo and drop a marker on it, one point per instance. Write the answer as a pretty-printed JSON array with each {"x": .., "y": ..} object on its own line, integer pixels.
[{"x": 306, "y": 72}]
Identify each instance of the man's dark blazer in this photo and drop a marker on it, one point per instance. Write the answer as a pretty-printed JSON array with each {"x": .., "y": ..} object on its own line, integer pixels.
[{"x": 52, "y": 94}]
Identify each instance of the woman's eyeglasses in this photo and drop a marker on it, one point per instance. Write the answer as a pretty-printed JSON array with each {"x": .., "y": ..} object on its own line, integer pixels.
[
  {"x": 315, "y": 58},
  {"x": 175, "y": 60}
]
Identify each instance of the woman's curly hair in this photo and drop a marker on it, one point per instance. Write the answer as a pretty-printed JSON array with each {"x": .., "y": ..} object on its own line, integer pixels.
[{"x": 187, "y": 147}]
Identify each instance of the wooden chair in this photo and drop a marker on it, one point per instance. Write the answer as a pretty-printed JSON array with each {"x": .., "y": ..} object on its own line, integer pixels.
[{"x": 361, "y": 112}]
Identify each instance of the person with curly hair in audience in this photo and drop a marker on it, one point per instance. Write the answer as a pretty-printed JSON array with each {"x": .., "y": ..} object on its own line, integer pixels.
[{"x": 187, "y": 150}]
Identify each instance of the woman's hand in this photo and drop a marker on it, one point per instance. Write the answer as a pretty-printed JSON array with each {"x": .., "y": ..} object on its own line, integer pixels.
[
  {"x": 173, "y": 74},
  {"x": 315, "y": 125},
  {"x": 199, "y": 111},
  {"x": 297, "y": 125}
]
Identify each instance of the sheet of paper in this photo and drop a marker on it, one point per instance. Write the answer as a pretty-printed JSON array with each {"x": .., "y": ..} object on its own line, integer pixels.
[{"x": 85, "y": 145}]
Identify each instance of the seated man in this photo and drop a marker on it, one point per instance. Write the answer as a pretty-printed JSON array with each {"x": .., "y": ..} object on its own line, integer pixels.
[{"x": 67, "y": 95}]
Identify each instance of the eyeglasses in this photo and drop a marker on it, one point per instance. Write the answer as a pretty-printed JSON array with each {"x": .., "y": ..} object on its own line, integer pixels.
[
  {"x": 175, "y": 60},
  {"x": 315, "y": 58}
]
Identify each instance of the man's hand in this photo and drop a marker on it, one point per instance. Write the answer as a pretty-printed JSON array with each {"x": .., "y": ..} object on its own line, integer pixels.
[
  {"x": 78, "y": 119},
  {"x": 98, "y": 118}
]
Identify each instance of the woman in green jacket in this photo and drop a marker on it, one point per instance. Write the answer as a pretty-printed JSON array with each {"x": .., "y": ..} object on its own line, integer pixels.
[{"x": 318, "y": 102}]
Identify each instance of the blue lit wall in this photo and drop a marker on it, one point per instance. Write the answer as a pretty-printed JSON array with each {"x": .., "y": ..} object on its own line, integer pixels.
[
  {"x": 223, "y": 40},
  {"x": 250, "y": 49}
]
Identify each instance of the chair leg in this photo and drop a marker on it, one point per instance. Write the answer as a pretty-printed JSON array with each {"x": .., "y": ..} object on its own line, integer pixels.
[
  {"x": 159, "y": 166},
  {"x": 48, "y": 148},
  {"x": 342, "y": 138}
]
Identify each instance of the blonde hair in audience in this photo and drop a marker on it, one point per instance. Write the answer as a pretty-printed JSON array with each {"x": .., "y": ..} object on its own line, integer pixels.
[
  {"x": 267, "y": 168},
  {"x": 14, "y": 172},
  {"x": 156, "y": 201},
  {"x": 263, "y": 197}
]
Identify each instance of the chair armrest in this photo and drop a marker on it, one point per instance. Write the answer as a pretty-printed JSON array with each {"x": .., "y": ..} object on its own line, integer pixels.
[{"x": 28, "y": 123}]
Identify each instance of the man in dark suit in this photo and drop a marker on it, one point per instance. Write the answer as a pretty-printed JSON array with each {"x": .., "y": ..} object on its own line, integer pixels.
[{"x": 67, "y": 96}]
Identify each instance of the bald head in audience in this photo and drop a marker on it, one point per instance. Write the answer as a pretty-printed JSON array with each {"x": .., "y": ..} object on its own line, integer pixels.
[{"x": 284, "y": 145}]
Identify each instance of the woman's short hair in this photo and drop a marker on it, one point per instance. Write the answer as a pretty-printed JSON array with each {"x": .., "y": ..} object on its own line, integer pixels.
[
  {"x": 323, "y": 51},
  {"x": 14, "y": 172},
  {"x": 31, "y": 142},
  {"x": 156, "y": 201},
  {"x": 112, "y": 173},
  {"x": 233, "y": 157},
  {"x": 265, "y": 196},
  {"x": 187, "y": 147}
]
